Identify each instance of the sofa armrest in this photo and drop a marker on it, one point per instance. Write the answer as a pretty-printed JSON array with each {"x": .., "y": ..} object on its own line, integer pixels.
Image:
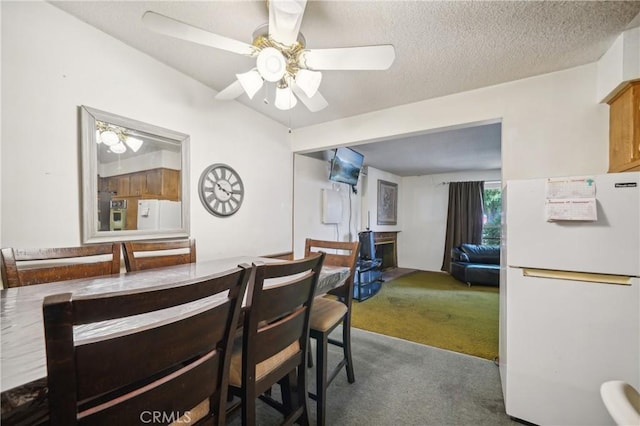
[{"x": 458, "y": 255}]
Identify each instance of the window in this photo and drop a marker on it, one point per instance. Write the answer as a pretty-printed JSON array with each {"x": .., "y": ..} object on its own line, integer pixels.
[{"x": 492, "y": 204}]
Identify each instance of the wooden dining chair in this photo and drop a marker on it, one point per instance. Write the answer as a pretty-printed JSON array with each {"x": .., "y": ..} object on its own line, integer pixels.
[
  {"x": 139, "y": 255},
  {"x": 20, "y": 267},
  {"x": 327, "y": 314},
  {"x": 152, "y": 368},
  {"x": 274, "y": 341}
]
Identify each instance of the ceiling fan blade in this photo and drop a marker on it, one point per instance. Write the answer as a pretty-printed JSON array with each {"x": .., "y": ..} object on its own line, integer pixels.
[
  {"x": 315, "y": 103},
  {"x": 349, "y": 58},
  {"x": 230, "y": 92},
  {"x": 285, "y": 17},
  {"x": 171, "y": 27}
]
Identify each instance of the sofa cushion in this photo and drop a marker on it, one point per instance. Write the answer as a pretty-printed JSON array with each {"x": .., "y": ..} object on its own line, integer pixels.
[{"x": 481, "y": 253}]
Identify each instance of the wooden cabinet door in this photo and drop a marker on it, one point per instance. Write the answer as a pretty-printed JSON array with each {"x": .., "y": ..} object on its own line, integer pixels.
[
  {"x": 138, "y": 184},
  {"x": 624, "y": 130},
  {"x": 164, "y": 183},
  {"x": 171, "y": 184},
  {"x": 123, "y": 186},
  {"x": 154, "y": 182}
]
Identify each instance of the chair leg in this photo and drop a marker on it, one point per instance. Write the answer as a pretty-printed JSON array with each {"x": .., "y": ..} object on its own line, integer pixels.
[
  {"x": 287, "y": 390},
  {"x": 309, "y": 355},
  {"x": 248, "y": 407},
  {"x": 299, "y": 397},
  {"x": 321, "y": 377},
  {"x": 346, "y": 346}
]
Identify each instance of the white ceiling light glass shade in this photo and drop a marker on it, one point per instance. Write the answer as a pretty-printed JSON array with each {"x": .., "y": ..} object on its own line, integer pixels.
[
  {"x": 271, "y": 64},
  {"x": 284, "y": 98},
  {"x": 133, "y": 143},
  {"x": 98, "y": 139},
  {"x": 309, "y": 81},
  {"x": 251, "y": 82},
  {"x": 118, "y": 148},
  {"x": 109, "y": 138}
]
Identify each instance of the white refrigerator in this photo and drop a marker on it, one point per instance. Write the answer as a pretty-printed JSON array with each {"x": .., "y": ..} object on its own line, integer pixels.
[
  {"x": 159, "y": 214},
  {"x": 570, "y": 304}
]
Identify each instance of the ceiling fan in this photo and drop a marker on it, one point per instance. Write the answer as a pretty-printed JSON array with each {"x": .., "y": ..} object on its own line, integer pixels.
[{"x": 281, "y": 56}]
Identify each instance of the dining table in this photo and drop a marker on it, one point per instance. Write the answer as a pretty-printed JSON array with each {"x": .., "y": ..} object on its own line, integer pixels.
[{"x": 23, "y": 364}]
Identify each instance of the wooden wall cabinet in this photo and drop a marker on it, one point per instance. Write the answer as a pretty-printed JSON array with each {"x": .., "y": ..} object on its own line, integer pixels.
[
  {"x": 624, "y": 130},
  {"x": 157, "y": 183}
]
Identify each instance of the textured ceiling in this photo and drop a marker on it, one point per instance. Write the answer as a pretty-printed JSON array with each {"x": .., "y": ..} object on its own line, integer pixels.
[{"x": 442, "y": 47}]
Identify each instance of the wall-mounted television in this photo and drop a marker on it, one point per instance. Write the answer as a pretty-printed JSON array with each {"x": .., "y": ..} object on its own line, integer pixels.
[{"x": 345, "y": 166}]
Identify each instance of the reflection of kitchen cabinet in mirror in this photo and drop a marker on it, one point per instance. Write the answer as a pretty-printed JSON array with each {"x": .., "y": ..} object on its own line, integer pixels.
[{"x": 135, "y": 179}]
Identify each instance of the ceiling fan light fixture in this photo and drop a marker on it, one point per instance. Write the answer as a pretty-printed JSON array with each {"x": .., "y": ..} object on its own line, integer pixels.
[
  {"x": 308, "y": 81},
  {"x": 251, "y": 82},
  {"x": 271, "y": 64},
  {"x": 284, "y": 98}
]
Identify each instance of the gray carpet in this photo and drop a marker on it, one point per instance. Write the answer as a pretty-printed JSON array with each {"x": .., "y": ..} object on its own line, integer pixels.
[{"x": 404, "y": 383}]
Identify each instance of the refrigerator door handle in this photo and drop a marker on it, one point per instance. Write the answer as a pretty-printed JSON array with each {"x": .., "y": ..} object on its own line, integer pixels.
[{"x": 577, "y": 276}]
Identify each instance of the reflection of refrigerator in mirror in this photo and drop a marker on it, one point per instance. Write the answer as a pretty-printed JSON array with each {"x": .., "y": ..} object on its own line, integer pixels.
[{"x": 159, "y": 214}]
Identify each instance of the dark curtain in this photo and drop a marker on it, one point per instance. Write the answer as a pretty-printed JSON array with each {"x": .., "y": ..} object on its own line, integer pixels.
[{"x": 464, "y": 217}]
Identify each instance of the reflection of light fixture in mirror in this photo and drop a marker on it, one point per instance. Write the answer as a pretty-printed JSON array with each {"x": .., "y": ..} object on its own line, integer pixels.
[
  {"x": 116, "y": 137},
  {"x": 109, "y": 138},
  {"x": 118, "y": 148},
  {"x": 284, "y": 97},
  {"x": 133, "y": 143}
]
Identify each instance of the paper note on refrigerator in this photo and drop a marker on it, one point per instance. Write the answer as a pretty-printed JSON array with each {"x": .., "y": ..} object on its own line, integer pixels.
[
  {"x": 571, "y": 209},
  {"x": 575, "y": 187},
  {"x": 570, "y": 199}
]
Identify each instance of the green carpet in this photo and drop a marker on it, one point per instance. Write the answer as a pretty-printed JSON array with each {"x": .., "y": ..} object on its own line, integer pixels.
[{"x": 435, "y": 309}]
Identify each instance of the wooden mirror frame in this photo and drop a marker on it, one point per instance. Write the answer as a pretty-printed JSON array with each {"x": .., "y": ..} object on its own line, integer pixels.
[{"x": 90, "y": 229}]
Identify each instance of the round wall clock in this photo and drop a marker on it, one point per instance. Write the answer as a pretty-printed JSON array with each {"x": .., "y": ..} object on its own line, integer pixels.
[{"x": 221, "y": 190}]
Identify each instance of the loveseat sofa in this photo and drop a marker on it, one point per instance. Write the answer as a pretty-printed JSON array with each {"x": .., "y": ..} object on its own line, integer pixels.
[{"x": 476, "y": 264}]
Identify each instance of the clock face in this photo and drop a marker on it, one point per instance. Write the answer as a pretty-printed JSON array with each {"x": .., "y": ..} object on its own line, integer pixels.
[{"x": 221, "y": 190}]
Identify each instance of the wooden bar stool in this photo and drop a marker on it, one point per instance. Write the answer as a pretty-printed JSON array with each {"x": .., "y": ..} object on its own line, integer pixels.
[
  {"x": 273, "y": 346},
  {"x": 327, "y": 314},
  {"x": 176, "y": 366}
]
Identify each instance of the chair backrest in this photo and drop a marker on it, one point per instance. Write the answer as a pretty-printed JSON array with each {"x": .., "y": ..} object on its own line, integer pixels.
[
  {"x": 139, "y": 255},
  {"x": 22, "y": 267},
  {"x": 278, "y": 318},
  {"x": 347, "y": 256},
  {"x": 167, "y": 364}
]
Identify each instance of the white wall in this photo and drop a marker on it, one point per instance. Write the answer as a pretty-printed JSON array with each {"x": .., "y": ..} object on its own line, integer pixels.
[
  {"x": 552, "y": 125},
  {"x": 311, "y": 177},
  {"x": 423, "y": 206},
  {"x": 619, "y": 64},
  {"x": 52, "y": 63}
]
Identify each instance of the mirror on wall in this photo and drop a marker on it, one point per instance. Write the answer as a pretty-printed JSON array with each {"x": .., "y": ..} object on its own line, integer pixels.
[{"x": 135, "y": 179}]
